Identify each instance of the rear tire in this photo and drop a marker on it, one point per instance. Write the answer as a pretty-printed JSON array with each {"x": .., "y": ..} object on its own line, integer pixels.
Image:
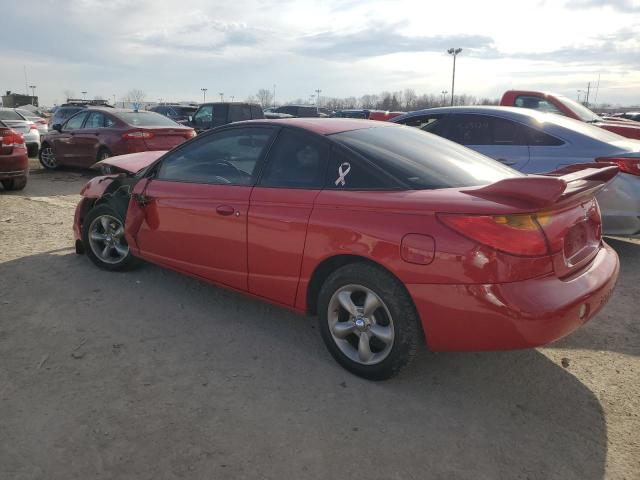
[
  {"x": 15, "y": 183},
  {"x": 103, "y": 154},
  {"x": 368, "y": 321},
  {"x": 103, "y": 239},
  {"x": 32, "y": 150}
]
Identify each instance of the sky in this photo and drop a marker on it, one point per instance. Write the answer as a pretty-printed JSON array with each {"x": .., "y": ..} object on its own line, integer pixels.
[{"x": 172, "y": 49}]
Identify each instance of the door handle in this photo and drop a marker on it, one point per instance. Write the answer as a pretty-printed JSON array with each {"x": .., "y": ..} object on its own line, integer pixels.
[
  {"x": 225, "y": 210},
  {"x": 506, "y": 162}
]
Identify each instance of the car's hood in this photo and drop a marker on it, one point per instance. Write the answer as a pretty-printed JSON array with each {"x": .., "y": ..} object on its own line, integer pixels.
[{"x": 133, "y": 162}]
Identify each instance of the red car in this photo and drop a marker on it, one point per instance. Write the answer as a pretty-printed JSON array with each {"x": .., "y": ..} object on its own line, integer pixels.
[
  {"x": 389, "y": 234},
  {"x": 561, "y": 105},
  {"x": 97, "y": 133},
  {"x": 14, "y": 161}
]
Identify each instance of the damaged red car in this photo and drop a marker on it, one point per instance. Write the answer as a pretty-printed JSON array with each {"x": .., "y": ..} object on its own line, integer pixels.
[{"x": 390, "y": 235}]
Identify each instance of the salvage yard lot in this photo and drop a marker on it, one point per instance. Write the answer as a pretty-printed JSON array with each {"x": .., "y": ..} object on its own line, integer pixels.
[{"x": 150, "y": 374}]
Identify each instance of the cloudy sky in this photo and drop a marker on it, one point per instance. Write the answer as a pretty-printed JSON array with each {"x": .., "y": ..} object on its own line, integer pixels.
[{"x": 172, "y": 49}]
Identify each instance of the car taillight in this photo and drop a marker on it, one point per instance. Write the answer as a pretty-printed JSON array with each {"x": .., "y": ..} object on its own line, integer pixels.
[
  {"x": 139, "y": 135},
  {"x": 625, "y": 164},
  {"x": 514, "y": 234},
  {"x": 11, "y": 138},
  {"x": 33, "y": 126},
  {"x": 190, "y": 134}
]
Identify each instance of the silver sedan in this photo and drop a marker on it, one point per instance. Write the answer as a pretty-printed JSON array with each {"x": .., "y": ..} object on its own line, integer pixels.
[{"x": 538, "y": 142}]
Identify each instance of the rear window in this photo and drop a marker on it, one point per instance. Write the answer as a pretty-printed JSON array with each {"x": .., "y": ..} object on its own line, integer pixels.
[
  {"x": 185, "y": 110},
  {"x": 422, "y": 160},
  {"x": 145, "y": 119},
  {"x": 9, "y": 115}
]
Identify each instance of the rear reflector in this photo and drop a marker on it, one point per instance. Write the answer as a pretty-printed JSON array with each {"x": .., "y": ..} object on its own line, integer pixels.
[
  {"x": 514, "y": 234},
  {"x": 625, "y": 164},
  {"x": 139, "y": 135}
]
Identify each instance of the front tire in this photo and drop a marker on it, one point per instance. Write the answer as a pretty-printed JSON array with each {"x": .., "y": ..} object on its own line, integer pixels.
[
  {"x": 48, "y": 157},
  {"x": 368, "y": 321},
  {"x": 103, "y": 239}
]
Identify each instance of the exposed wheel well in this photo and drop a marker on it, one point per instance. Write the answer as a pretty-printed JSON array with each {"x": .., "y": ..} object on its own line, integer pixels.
[{"x": 326, "y": 268}]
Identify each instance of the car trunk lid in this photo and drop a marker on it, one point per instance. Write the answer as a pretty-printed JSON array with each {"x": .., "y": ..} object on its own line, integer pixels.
[{"x": 131, "y": 163}]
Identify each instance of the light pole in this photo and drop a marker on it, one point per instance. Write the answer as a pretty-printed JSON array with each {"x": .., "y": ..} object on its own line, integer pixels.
[
  {"x": 579, "y": 92},
  {"x": 204, "y": 94},
  {"x": 232, "y": 97},
  {"x": 114, "y": 99},
  {"x": 454, "y": 52},
  {"x": 33, "y": 94},
  {"x": 84, "y": 95},
  {"x": 221, "y": 96},
  {"x": 444, "y": 95},
  {"x": 274, "y": 95},
  {"x": 318, "y": 97}
]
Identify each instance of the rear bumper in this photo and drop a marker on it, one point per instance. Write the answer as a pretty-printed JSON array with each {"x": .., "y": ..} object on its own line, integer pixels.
[
  {"x": 514, "y": 315},
  {"x": 15, "y": 164}
]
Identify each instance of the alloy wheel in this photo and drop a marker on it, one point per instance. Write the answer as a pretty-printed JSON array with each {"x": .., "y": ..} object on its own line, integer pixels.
[
  {"x": 48, "y": 158},
  {"x": 360, "y": 324},
  {"x": 106, "y": 239}
]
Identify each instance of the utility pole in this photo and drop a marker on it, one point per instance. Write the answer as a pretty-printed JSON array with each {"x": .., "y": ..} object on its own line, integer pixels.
[
  {"x": 114, "y": 99},
  {"x": 318, "y": 97},
  {"x": 33, "y": 94},
  {"x": 444, "y": 96},
  {"x": 454, "y": 52},
  {"x": 204, "y": 94},
  {"x": 84, "y": 95},
  {"x": 586, "y": 102},
  {"x": 274, "y": 95},
  {"x": 221, "y": 96}
]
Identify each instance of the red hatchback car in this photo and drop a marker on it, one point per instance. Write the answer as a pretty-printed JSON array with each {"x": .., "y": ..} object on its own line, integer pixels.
[
  {"x": 97, "y": 133},
  {"x": 389, "y": 234},
  {"x": 14, "y": 162}
]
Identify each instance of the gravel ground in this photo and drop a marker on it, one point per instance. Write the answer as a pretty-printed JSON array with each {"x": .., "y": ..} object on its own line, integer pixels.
[{"x": 153, "y": 375}]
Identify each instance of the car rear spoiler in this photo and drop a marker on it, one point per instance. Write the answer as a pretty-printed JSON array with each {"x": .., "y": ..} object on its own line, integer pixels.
[{"x": 551, "y": 189}]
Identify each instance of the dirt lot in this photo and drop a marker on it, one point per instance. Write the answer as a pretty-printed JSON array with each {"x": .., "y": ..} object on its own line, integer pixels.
[{"x": 152, "y": 375}]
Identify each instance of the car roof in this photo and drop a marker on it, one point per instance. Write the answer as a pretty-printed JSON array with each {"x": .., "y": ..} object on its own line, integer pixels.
[{"x": 324, "y": 126}]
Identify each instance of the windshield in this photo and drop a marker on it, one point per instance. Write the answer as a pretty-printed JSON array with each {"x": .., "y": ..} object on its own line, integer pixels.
[
  {"x": 423, "y": 160},
  {"x": 580, "y": 110},
  {"x": 9, "y": 115},
  {"x": 145, "y": 119},
  {"x": 186, "y": 110}
]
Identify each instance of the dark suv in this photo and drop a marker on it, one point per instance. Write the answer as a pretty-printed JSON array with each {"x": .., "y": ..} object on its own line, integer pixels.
[
  {"x": 301, "y": 110},
  {"x": 211, "y": 115},
  {"x": 177, "y": 113}
]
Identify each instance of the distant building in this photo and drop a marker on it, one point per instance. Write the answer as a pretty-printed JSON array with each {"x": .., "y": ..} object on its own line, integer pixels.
[{"x": 15, "y": 100}]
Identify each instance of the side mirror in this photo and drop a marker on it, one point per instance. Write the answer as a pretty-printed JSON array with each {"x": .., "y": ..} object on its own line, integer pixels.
[
  {"x": 190, "y": 118},
  {"x": 57, "y": 127}
]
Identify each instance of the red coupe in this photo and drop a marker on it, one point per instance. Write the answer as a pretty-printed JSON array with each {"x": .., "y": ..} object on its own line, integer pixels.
[{"x": 387, "y": 233}]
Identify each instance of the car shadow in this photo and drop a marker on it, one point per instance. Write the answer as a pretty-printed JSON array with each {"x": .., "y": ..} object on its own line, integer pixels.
[
  {"x": 615, "y": 327},
  {"x": 189, "y": 377}
]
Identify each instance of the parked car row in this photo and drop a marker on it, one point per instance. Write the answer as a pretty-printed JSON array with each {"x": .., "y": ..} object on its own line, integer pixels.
[{"x": 30, "y": 130}]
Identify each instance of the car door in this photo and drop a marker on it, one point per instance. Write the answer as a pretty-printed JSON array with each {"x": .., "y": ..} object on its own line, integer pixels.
[
  {"x": 89, "y": 138},
  {"x": 196, "y": 203},
  {"x": 279, "y": 211},
  {"x": 499, "y": 138},
  {"x": 64, "y": 142}
]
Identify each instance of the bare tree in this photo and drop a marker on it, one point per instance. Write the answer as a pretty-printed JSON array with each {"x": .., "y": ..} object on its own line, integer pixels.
[
  {"x": 135, "y": 96},
  {"x": 265, "y": 97},
  {"x": 409, "y": 97}
]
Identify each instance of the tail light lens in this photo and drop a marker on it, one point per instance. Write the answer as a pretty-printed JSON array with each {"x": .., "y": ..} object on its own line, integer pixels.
[
  {"x": 514, "y": 234},
  {"x": 625, "y": 164},
  {"x": 11, "y": 137},
  {"x": 190, "y": 134},
  {"x": 33, "y": 126},
  {"x": 138, "y": 135}
]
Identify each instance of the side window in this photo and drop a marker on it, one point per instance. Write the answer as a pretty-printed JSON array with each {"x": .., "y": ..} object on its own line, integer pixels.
[
  {"x": 108, "y": 122},
  {"x": 296, "y": 160},
  {"x": 227, "y": 158},
  {"x": 468, "y": 129},
  {"x": 95, "y": 120},
  {"x": 203, "y": 117},
  {"x": 428, "y": 123},
  {"x": 74, "y": 123},
  {"x": 347, "y": 172},
  {"x": 238, "y": 113},
  {"x": 220, "y": 114},
  {"x": 536, "y": 103},
  {"x": 541, "y": 139}
]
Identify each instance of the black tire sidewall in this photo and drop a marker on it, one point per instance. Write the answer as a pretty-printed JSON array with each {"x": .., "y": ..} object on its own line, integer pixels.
[
  {"x": 42, "y": 147},
  {"x": 94, "y": 213},
  {"x": 396, "y": 299}
]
